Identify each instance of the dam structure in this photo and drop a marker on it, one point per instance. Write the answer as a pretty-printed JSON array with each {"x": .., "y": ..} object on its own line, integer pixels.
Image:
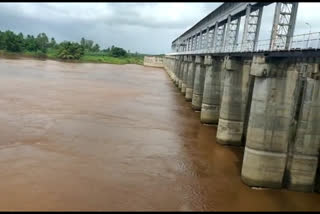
[{"x": 263, "y": 95}]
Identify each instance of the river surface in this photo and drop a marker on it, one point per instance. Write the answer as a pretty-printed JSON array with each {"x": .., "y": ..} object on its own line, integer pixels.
[{"x": 115, "y": 137}]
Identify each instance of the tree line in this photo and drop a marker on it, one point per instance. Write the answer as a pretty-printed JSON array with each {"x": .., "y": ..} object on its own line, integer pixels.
[{"x": 39, "y": 45}]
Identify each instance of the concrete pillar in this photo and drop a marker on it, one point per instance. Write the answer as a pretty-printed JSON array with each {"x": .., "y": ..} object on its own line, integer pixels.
[
  {"x": 222, "y": 76},
  {"x": 211, "y": 92},
  {"x": 177, "y": 69},
  {"x": 173, "y": 62},
  {"x": 233, "y": 102},
  {"x": 167, "y": 62},
  {"x": 190, "y": 78},
  {"x": 270, "y": 119},
  {"x": 304, "y": 149},
  {"x": 184, "y": 75},
  {"x": 182, "y": 63},
  {"x": 172, "y": 68},
  {"x": 174, "y": 65},
  {"x": 198, "y": 83}
]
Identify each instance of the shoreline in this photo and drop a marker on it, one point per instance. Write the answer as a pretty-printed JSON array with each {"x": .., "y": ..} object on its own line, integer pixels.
[{"x": 12, "y": 55}]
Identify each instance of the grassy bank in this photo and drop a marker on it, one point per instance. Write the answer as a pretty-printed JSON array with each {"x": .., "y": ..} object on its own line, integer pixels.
[
  {"x": 102, "y": 58},
  {"x": 112, "y": 60},
  {"x": 87, "y": 57}
]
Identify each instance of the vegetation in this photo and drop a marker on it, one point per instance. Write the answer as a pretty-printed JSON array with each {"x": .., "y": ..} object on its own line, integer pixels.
[
  {"x": 70, "y": 50},
  {"x": 85, "y": 51}
]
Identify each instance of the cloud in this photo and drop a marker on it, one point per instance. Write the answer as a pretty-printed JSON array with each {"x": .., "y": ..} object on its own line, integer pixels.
[{"x": 142, "y": 27}]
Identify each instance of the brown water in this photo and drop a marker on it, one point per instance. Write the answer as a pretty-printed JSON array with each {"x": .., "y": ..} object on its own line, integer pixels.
[{"x": 115, "y": 137}]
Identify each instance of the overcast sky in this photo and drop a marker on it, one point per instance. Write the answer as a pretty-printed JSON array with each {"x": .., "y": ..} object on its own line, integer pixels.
[{"x": 143, "y": 27}]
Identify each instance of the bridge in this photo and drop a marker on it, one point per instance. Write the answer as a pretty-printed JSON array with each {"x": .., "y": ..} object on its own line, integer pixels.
[{"x": 262, "y": 94}]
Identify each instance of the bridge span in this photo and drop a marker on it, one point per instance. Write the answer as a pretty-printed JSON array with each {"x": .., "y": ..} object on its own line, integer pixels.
[{"x": 263, "y": 95}]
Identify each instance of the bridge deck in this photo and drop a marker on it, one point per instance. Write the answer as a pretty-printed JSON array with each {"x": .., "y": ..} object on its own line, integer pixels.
[{"x": 313, "y": 52}]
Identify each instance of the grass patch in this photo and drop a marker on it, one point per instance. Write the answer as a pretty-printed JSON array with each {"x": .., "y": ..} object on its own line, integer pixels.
[
  {"x": 100, "y": 58},
  {"x": 52, "y": 53}
]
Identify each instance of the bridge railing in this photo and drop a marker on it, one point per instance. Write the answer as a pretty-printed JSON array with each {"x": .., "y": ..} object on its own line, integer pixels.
[
  {"x": 305, "y": 41},
  {"x": 301, "y": 41}
]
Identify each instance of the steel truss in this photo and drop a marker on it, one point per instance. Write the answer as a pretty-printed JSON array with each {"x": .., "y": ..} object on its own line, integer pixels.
[
  {"x": 283, "y": 25},
  {"x": 251, "y": 29}
]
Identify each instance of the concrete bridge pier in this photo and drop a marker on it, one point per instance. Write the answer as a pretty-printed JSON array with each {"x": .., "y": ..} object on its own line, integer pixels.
[
  {"x": 167, "y": 63},
  {"x": 270, "y": 122},
  {"x": 173, "y": 62},
  {"x": 303, "y": 154},
  {"x": 211, "y": 92},
  {"x": 198, "y": 83},
  {"x": 176, "y": 70},
  {"x": 171, "y": 68},
  {"x": 190, "y": 78},
  {"x": 180, "y": 76},
  {"x": 233, "y": 102},
  {"x": 184, "y": 75}
]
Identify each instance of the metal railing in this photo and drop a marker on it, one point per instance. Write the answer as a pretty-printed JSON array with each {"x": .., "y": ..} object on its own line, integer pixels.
[{"x": 297, "y": 42}]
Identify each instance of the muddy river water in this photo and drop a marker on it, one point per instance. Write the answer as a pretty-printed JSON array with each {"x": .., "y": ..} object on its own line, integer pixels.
[{"x": 115, "y": 137}]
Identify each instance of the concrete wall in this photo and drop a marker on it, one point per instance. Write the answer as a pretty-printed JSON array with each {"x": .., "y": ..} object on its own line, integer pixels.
[
  {"x": 153, "y": 61},
  {"x": 269, "y": 105}
]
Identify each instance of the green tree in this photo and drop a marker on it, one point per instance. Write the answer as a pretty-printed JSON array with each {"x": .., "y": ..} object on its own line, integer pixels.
[
  {"x": 83, "y": 42},
  {"x": 87, "y": 44},
  {"x": 2, "y": 41},
  {"x": 30, "y": 43},
  {"x": 96, "y": 48},
  {"x": 42, "y": 42},
  {"x": 70, "y": 50},
  {"x": 13, "y": 42},
  {"x": 22, "y": 41},
  {"x": 117, "y": 52},
  {"x": 53, "y": 43}
]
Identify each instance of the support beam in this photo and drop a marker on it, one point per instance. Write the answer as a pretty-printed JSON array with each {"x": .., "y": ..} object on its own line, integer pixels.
[
  {"x": 215, "y": 37},
  {"x": 200, "y": 40},
  {"x": 210, "y": 39},
  {"x": 226, "y": 34},
  {"x": 192, "y": 43},
  {"x": 206, "y": 47},
  {"x": 219, "y": 39}
]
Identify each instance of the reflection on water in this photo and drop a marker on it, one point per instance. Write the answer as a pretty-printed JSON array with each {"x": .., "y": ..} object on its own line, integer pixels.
[{"x": 115, "y": 137}]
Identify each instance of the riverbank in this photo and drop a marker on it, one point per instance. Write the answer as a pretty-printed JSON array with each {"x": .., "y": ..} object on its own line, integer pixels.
[{"x": 87, "y": 57}]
